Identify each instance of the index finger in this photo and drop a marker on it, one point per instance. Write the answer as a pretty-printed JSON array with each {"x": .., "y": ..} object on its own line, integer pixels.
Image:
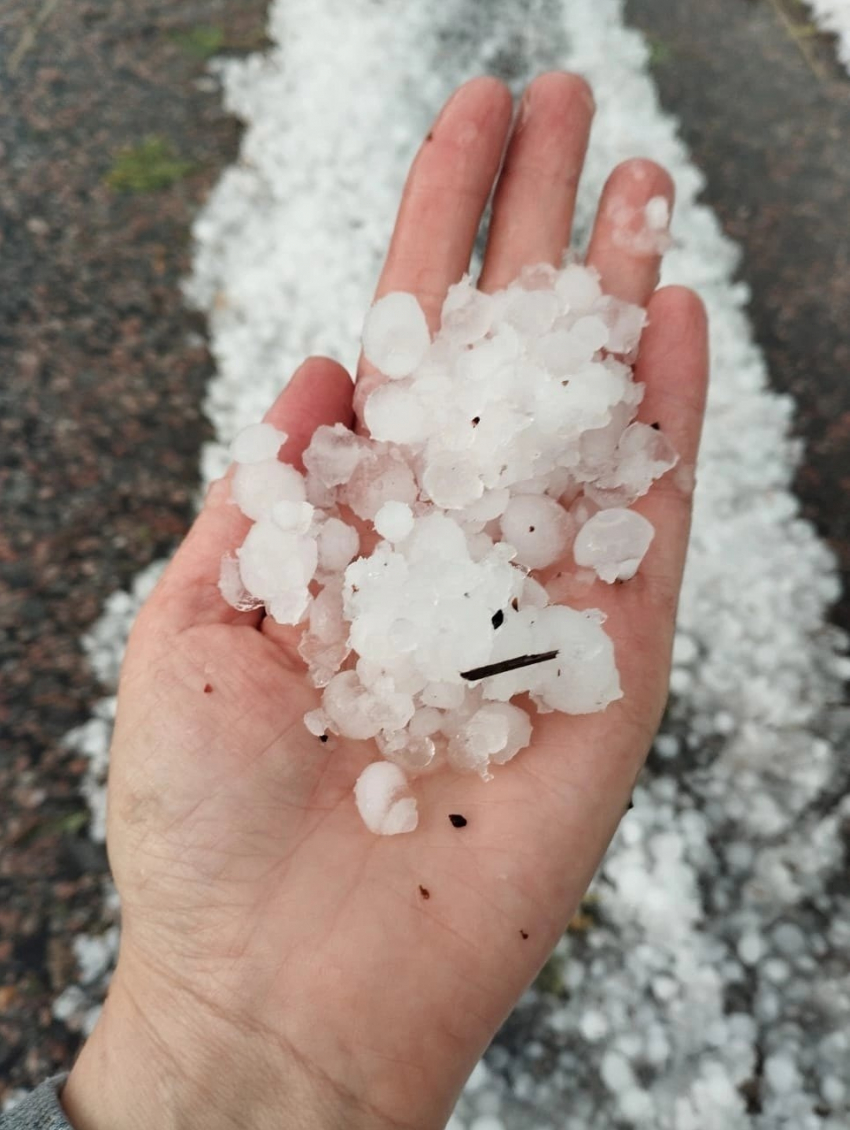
[{"x": 445, "y": 195}]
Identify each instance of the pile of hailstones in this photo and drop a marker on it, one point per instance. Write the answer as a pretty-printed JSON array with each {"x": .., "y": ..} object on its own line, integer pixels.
[{"x": 416, "y": 557}]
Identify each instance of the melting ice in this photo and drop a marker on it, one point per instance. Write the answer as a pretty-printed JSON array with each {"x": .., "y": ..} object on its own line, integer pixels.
[{"x": 414, "y": 556}]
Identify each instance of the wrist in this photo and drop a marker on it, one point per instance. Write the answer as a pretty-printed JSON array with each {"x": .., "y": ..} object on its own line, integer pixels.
[{"x": 188, "y": 1069}]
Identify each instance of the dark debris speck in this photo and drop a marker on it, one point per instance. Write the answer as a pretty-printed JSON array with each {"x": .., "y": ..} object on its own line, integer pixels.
[
  {"x": 424, "y": 892},
  {"x": 524, "y": 934},
  {"x": 457, "y": 820},
  {"x": 498, "y": 619},
  {"x": 207, "y": 688}
]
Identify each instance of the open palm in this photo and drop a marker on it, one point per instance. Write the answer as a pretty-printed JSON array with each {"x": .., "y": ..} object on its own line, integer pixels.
[{"x": 277, "y": 959}]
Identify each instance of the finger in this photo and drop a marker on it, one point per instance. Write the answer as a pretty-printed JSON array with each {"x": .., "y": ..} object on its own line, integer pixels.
[
  {"x": 580, "y": 770},
  {"x": 535, "y": 198},
  {"x": 444, "y": 197},
  {"x": 673, "y": 366},
  {"x": 625, "y": 246},
  {"x": 319, "y": 393}
]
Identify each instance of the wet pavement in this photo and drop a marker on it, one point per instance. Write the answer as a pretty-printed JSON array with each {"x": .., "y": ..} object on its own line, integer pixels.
[
  {"x": 111, "y": 134},
  {"x": 765, "y": 109}
]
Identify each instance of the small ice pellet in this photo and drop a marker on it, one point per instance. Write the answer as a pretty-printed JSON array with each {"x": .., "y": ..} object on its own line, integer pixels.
[
  {"x": 395, "y": 335},
  {"x": 338, "y": 545},
  {"x": 256, "y": 443},
  {"x": 293, "y": 516},
  {"x": 657, "y": 213},
  {"x": 613, "y": 543},
  {"x": 394, "y": 521},
  {"x": 316, "y": 722},
  {"x": 383, "y": 800}
]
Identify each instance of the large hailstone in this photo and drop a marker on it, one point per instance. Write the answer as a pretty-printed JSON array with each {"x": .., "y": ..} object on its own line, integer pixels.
[
  {"x": 613, "y": 543},
  {"x": 538, "y": 528},
  {"x": 395, "y": 336}
]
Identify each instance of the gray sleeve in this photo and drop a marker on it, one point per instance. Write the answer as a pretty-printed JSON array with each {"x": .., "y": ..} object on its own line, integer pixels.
[{"x": 40, "y": 1110}]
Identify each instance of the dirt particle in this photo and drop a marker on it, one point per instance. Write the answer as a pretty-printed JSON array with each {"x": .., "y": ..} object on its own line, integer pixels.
[
  {"x": 498, "y": 619},
  {"x": 323, "y": 737},
  {"x": 207, "y": 688},
  {"x": 457, "y": 820},
  {"x": 524, "y": 935},
  {"x": 424, "y": 892}
]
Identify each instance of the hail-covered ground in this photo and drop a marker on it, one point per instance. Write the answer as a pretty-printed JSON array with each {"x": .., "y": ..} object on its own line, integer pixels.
[
  {"x": 711, "y": 988},
  {"x": 834, "y": 16}
]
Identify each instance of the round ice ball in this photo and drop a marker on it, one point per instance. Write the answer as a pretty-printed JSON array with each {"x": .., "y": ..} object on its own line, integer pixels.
[
  {"x": 393, "y": 413},
  {"x": 338, "y": 545},
  {"x": 394, "y": 521},
  {"x": 256, "y": 443},
  {"x": 382, "y": 799},
  {"x": 395, "y": 335},
  {"x": 538, "y": 528},
  {"x": 613, "y": 543},
  {"x": 256, "y": 487}
]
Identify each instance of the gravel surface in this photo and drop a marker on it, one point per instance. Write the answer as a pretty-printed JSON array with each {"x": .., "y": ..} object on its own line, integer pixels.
[{"x": 103, "y": 373}]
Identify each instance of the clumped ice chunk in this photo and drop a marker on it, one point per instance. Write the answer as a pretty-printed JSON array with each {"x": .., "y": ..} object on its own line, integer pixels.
[
  {"x": 581, "y": 676},
  {"x": 334, "y": 453},
  {"x": 467, "y": 312},
  {"x": 381, "y": 795},
  {"x": 385, "y": 476},
  {"x": 500, "y": 447},
  {"x": 494, "y": 734},
  {"x": 395, "y": 336},
  {"x": 613, "y": 543},
  {"x": 256, "y": 443}
]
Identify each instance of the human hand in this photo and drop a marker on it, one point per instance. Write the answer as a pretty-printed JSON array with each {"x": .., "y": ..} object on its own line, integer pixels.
[{"x": 280, "y": 965}]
